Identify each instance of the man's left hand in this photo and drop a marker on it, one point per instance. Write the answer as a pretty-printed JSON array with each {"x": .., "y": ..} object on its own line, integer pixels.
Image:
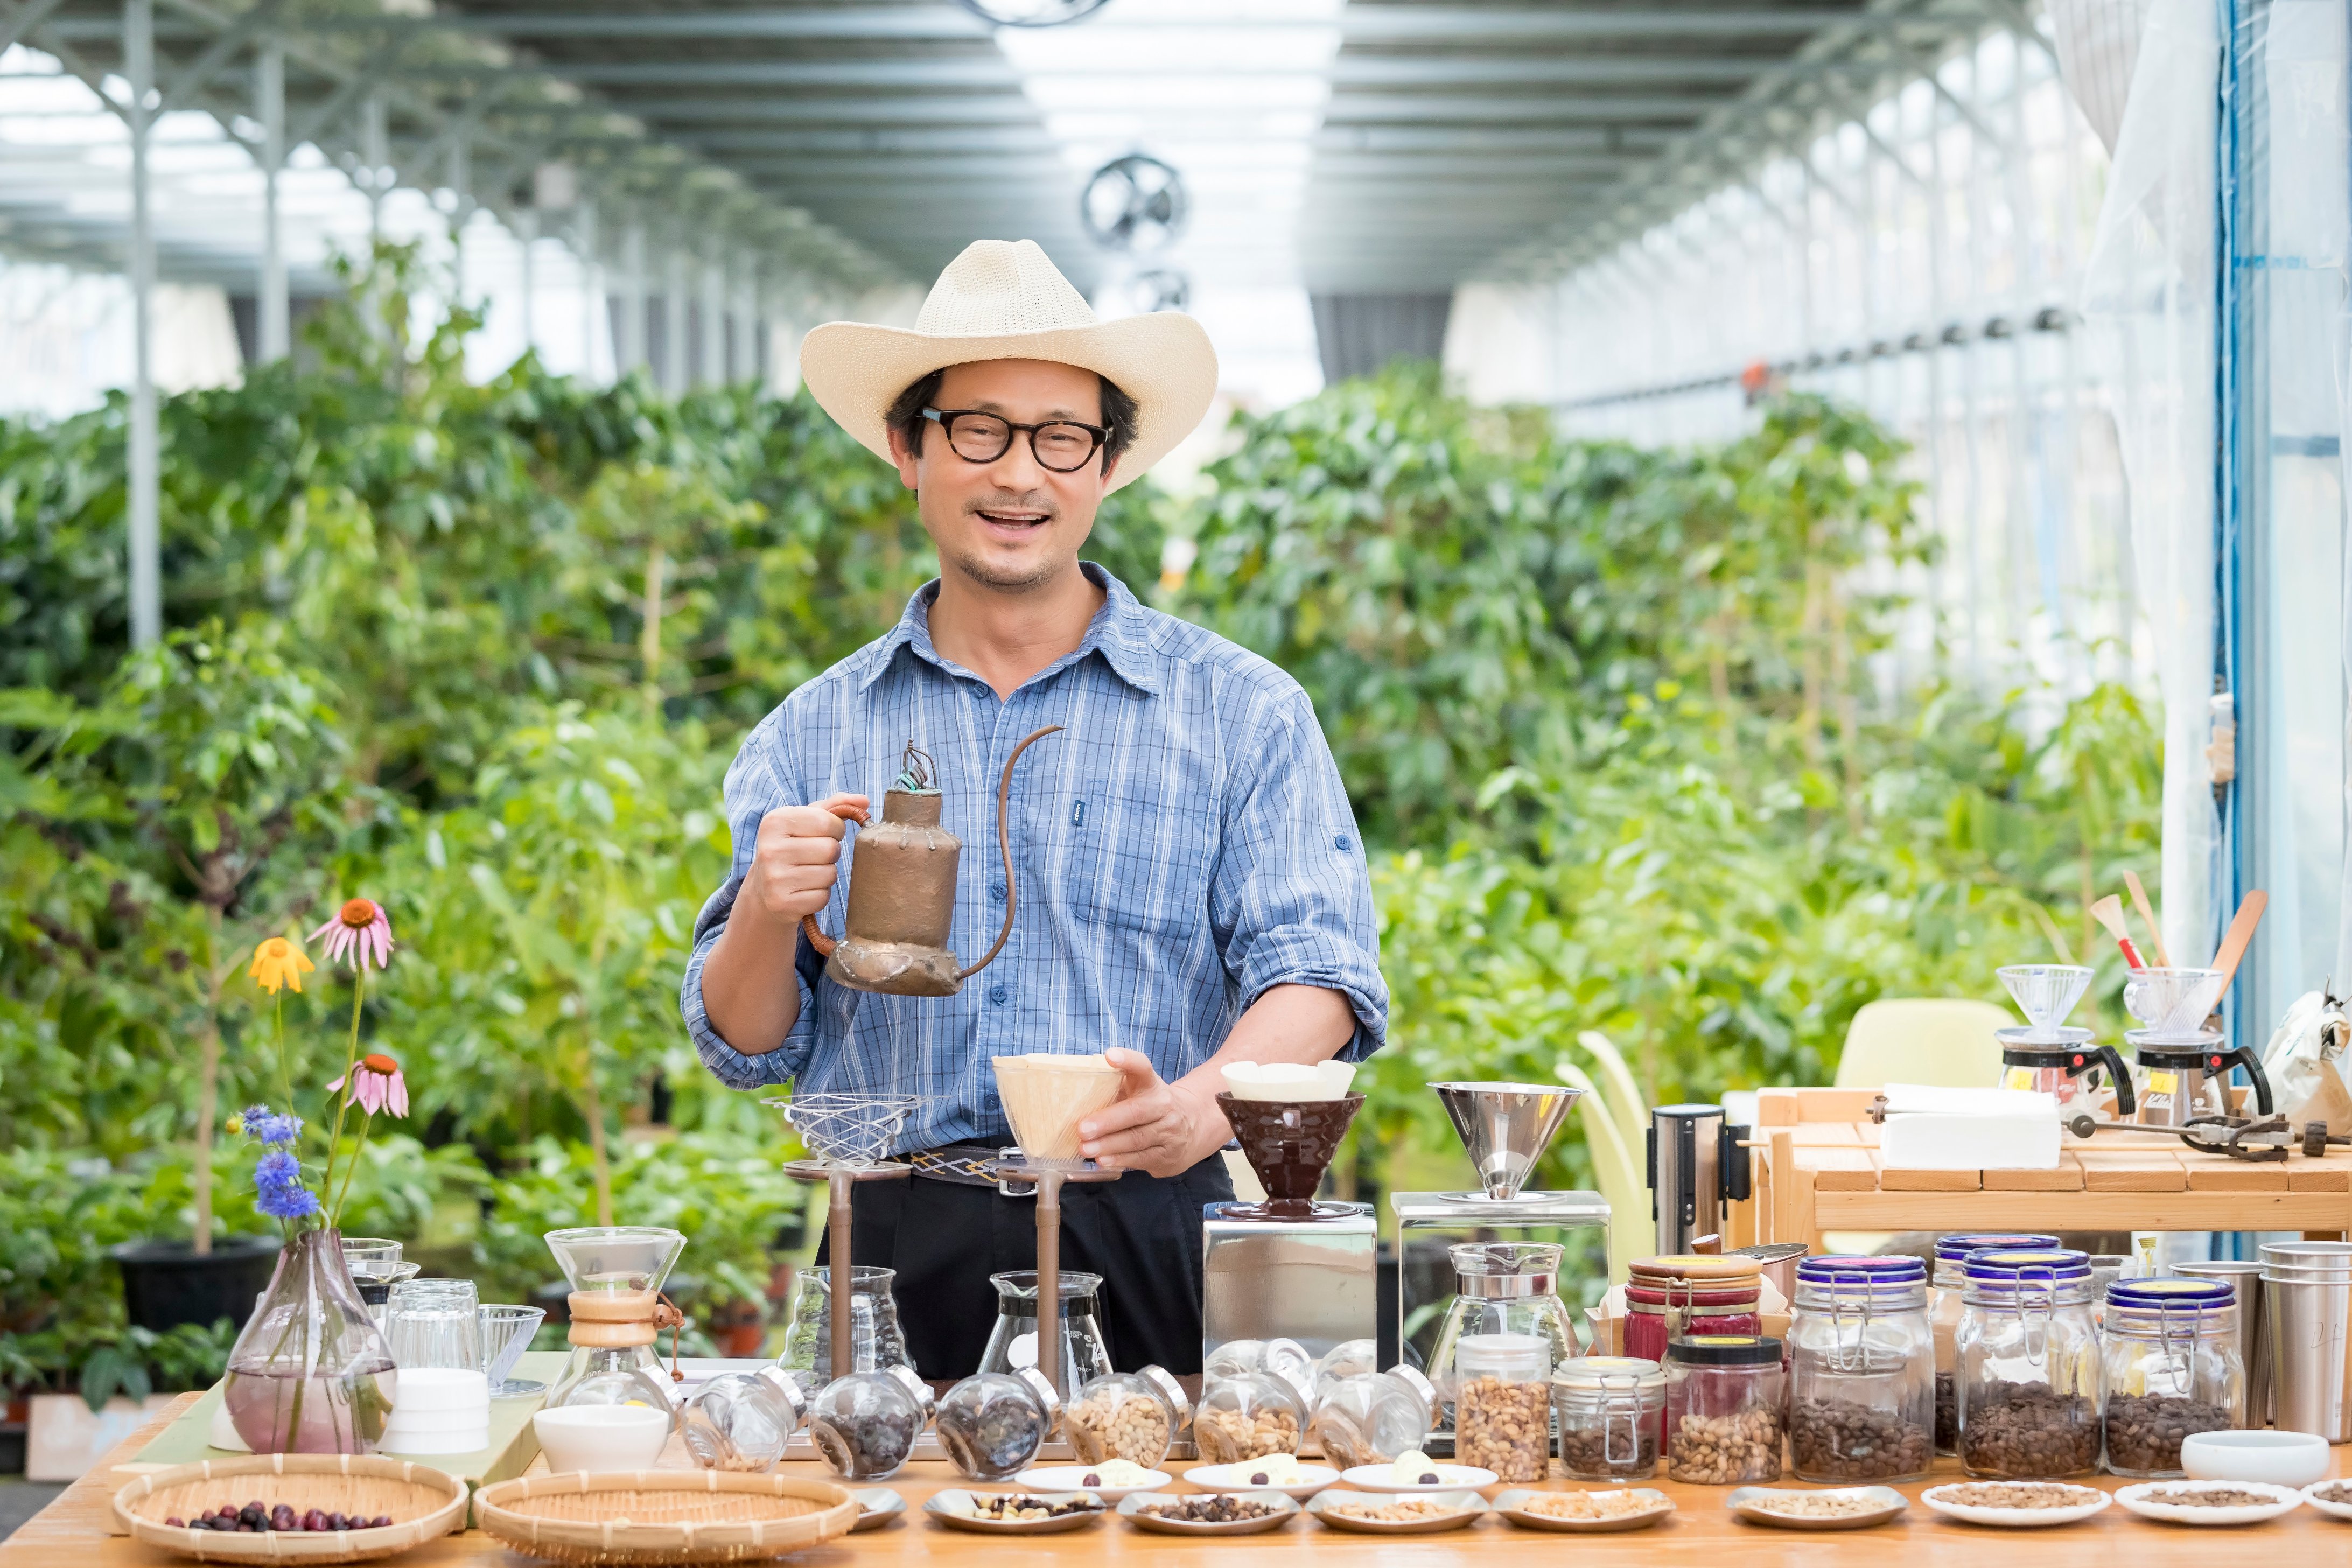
[{"x": 1161, "y": 1129}]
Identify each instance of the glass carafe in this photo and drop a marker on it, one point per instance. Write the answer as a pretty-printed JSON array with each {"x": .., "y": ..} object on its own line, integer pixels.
[
  {"x": 1012, "y": 1344},
  {"x": 876, "y": 1343},
  {"x": 1501, "y": 1288},
  {"x": 616, "y": 1274}
]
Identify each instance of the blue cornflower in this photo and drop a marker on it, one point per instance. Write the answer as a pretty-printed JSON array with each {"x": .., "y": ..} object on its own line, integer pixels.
[
  {"x": 265, "y": 1126},
  {"x": 277, "y": 1177}
]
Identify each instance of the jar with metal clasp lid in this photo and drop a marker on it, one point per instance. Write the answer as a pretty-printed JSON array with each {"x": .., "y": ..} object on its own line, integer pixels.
[
  {"x": 1944, "y": 1314},
  {"x": 2171, "y": 1367},
  {"x": 1863, "y": 1370},
  {"x": 2027, "y": 1370},
  {"x": 1609, "y": 1409},
  {"x": 1679, "y": 1294}
]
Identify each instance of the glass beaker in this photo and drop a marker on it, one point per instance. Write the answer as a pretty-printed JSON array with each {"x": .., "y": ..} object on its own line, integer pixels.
[
  {"x": 876, "y": 1343},
  {"x": 1013, "y": 1344}
]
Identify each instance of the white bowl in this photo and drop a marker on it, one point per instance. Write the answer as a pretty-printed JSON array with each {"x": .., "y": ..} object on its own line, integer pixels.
[
  {"x": 602, "y": 1436},
  {"x": 2281, "y": 1458}
]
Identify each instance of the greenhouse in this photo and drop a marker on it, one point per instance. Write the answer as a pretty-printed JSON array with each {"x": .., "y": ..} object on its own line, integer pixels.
[{"x": 1513, "y": 732}]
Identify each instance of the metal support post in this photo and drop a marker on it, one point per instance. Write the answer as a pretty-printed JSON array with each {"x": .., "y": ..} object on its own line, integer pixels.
[
  {"x": 146, "y": 457},
  {"x": 273, "y": 310},
  {"x": 591, "y": 286},
  {"x": 710, "y": 364},
  {"x": 461, "y": 211},
  {"x": 629, "y": 353},
  {"x": 375, "y": 151},
  {"x": 743, "y": 360},
  {"x": 674, "y": 322},
  {"x": 527, "y": 233}
]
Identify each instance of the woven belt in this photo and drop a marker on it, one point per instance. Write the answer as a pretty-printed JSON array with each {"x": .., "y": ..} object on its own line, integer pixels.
[{"x": 965, "y": 1164}]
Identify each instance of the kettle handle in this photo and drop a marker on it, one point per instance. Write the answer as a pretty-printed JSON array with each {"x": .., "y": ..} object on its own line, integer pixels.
[
  {"x": 818, "y": 940},
  {"x": 1004, "y": 848}
]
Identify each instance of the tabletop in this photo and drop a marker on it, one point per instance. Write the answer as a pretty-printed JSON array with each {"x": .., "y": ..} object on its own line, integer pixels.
[{"x": 74, "y": 1531}]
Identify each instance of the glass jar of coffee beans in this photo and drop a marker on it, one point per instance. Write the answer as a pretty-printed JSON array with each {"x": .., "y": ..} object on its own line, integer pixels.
[
  {"x": 1861, "y": 1369},
  {"x": 1607, "y": 1409},
  {"x": 992, "y": 1423},
  {"x": 2171, "y": 1367},
  {"x": 2027, "y": 1364},
  {"x": 1725, "y": 1398},
  {"x": 865, "y": 1423},
  {"x": 1130, "y": 1416},
  {"x": 1944, "y": 1288}
]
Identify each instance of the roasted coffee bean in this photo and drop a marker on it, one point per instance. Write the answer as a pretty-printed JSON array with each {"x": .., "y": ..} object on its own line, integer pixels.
[
  {"x": 994, "y": 1437},
  {"x": 2025, "y": 1431},
  {"x": 2145, "y": 1430},
  {"x": 1948, "y": 1413},
  {"x": 1626, "y": 1451},
  {"x": 1846, "y": 1440}
]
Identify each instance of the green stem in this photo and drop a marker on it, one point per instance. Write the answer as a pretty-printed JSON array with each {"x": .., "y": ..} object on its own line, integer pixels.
[
  {"x": 351, "y": 1065},
  {"x": 335, "y": 1214}
]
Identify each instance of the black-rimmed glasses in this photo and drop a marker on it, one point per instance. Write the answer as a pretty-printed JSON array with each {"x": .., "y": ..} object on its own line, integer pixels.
[{"x": 1063, "y": 445}]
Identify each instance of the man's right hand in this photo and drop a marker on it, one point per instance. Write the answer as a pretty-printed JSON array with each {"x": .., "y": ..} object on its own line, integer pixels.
[{"x": 797, "y": 856}]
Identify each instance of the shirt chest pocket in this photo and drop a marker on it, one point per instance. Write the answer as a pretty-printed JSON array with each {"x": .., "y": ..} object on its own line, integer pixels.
[{"x": 1142, "y": 861}]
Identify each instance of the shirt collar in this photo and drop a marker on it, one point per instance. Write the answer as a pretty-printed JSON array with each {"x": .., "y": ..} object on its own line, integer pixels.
[{"x": 1121, "y": 632}]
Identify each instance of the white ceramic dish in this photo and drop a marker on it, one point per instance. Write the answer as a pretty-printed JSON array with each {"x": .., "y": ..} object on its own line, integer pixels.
[
  {"x": 602, "y": 1436},
  {"x": 1512, "y": 1505},
  {"x": 1312, "y": 1478},
  {"x": 951, "y": 1509},
  {"x": 2141, "y": 1500},
  {"x": 1938, "y": 1498},
  {"x": 2281, "y": 1458},
  {"x": 1450, "y": 1478},
  {"x": 1072, "y": 1478},
  {"x": 1753, "y": 1504},
  {"x": 877, "y": 1507},
  {"x": 1132, "y": 1511},
  {"x": 1466, "y": 1508},
  {"x": 2329, "y": 1506}
]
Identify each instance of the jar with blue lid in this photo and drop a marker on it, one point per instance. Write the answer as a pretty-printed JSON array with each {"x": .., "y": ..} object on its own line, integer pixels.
[
  {"x": 2171, "y": 1368},
  {"x": 1861, "y": 1367},
  {"x": 2027, "y": 1371},
  {"x": 1944, "y": 1315}
]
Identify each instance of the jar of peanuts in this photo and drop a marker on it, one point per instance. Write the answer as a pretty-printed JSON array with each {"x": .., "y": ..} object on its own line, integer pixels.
[
  {"x": 1502, "y": 1405},
  {"x": 1726, "y": 1403},
  {"x": 1130, "y": 1416},
  {"x": 1248, "y": 1417}
]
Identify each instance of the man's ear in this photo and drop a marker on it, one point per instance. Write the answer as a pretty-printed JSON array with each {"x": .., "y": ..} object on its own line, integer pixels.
[{"x": 901, "y": 455}]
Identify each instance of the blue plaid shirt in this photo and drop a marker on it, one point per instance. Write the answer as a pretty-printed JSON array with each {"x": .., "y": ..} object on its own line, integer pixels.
[{"x": 1183, "y": 844}]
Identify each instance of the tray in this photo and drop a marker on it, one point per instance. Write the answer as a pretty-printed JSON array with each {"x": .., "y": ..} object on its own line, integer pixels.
[
  {"x": 664, "y": 1516},
  {"x": 425, "y": 1504}
]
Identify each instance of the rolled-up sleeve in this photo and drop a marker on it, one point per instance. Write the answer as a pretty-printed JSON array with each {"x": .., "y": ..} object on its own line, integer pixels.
[
  {"x": 757, "y": 780},
  {"x": 1292, "y": 899}
]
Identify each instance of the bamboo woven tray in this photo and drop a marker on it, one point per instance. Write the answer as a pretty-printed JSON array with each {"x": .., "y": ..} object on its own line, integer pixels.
[
  {"x": 663, "y": 1516},
  {"x": 424, "y": 1503}
]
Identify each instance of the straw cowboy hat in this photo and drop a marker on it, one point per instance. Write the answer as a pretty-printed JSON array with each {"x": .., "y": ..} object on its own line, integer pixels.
[{"x": 1004, "y": 300}]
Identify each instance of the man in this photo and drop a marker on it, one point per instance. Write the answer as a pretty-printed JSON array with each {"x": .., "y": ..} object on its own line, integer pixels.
[{"x": 1190, "y": 887}]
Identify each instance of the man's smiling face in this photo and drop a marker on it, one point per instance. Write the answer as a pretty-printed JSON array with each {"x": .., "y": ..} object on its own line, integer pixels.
[{"x": 1010, "y": 524}]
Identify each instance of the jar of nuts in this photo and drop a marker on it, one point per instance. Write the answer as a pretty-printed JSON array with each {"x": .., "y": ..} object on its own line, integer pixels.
[
  {"x": 2171, "y": 1367},
  {"x": 1725, "y": 1398},
  {"x": 2026, "y": 1364},
  {"x": 1861, "y": 1371},
  {"x": 1371, "y": 1417},
  {"x": 1248, "y": 1417},
  {"x": 1607, "y": 1408},
  {"x": 1502, "y": 1405},
  {"x": 1130, "y": 1416}
]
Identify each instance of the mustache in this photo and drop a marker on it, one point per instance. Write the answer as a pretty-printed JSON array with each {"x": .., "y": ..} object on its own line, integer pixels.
[{"x": 1011, "y": 502}]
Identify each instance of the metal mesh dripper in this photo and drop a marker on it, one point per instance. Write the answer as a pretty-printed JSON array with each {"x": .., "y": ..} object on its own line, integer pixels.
[{"x": 849, "y": 1129}]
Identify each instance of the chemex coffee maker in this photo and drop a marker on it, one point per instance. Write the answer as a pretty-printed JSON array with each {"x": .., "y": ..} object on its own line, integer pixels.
[
  {"x": 1505, "y": 1128},
  {"x": 902, "y": 888},
  {"x": 2049, "y": 1056},
  {"x": 1294, "y": 1267},
  {"x": 2183, "y": 1062}
]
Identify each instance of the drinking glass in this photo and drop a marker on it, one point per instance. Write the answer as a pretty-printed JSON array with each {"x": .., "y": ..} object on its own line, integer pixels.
[
  {"x": 437, "y": 1342},
  {"x": 436, "y": 1323},
  {"x": 375, "y": 1278},
  {"x": 506, "y": 1334}
]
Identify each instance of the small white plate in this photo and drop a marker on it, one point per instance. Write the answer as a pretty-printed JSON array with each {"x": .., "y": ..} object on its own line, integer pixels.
[
  {"x": 1450, "y": 1478},
  {"x": 1750, "y": 1503},
  {"x": 2140, "y": 1501},
  {"x": 876, "y": 1506},
  {"x": 1938, "y": 1498},
  {"x": 951, "y": 1509},
  {"x": 1132, "y": 1511},
  {"x": 1466, "y": 1508},
  {"x": 1072, "y": 1478},
  {"x": 1513, "y": 1504},
  {"x": 1312, "y": 1478},
  {"x": 2329, "y": 1506}
]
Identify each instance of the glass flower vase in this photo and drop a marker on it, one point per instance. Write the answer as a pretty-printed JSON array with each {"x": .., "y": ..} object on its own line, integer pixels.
[{"x": 311, "y": 1373}]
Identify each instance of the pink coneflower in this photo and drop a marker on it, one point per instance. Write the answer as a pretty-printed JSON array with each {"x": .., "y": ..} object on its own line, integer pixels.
[
  {"x": 377, "y": 1083},
  {"x": 363, "y": 930}
]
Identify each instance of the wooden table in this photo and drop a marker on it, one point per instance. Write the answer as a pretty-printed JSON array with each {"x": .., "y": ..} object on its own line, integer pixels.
[
  {"x": 73, "y": 1533},
  {"x": 1817, "y": 1169}
]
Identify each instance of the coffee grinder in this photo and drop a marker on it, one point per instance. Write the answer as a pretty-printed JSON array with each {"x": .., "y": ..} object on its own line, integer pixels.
[
  {"x": 2183, "y": 1063},
  {"x": 2048, "y": 1055},
  {"x": 1696, "y": 1166},
  {"x": 1294, "y": 1267},
  {"x": 1505, "y": 1128}
]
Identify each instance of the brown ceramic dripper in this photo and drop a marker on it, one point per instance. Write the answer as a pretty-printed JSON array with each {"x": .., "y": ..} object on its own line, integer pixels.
[
  {"x": 1289, "y": 1143},
  {"x": 902, "y": 888}
]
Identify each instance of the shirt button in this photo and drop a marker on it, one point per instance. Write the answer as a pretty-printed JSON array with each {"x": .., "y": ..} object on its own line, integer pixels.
[
  {"x": 1340, "y": 843},
  {"x": 997, "y": 993},
  {"x": 996, "y": 891}
]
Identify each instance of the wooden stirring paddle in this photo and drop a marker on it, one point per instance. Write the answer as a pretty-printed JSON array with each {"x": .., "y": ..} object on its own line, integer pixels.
[
  {"x": 2235, "y": 941},
  {"x": 2147, "y": 913}
]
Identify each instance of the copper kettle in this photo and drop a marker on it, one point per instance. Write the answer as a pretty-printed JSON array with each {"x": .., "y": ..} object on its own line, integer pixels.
[{"x": 902, "y": 894}]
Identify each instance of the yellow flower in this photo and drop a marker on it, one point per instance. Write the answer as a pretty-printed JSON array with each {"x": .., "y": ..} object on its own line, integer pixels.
[{"x": 279, "y": 961}]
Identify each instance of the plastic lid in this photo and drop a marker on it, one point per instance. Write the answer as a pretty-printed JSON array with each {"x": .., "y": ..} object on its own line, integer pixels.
[
  {"x": 1695, "y": 1266},
  {"x": 1520, "y": 1355},
  {"x": 1724, "y": 1350},
  {"x": 2029, "y": 1263},
  {"x": 1959, "y": 1245},
  {"x": 1844, "y": 1272},
  {"x": 1608, "y": 1373},
  {"x": 2171, "y": 1292}
]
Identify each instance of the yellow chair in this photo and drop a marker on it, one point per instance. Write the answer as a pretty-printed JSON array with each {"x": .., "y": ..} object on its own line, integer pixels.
[{"x": 1945, "y": 1043}]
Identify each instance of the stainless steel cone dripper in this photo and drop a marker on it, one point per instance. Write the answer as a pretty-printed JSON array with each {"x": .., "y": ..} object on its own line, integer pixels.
[{"x": 1505, "y": 1128}]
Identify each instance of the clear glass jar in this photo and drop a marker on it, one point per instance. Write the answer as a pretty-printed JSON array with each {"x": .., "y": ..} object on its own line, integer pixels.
[
  {"x": 1607, "y": 1408},
  {"x": 2027, "y": 1369},
  {"x": 1944, "y": 1314},
  {"x": 1249, "y": 1416},
  {"x": 1235, "y": 1357},
  {"x": 992, "y": 1423},
  {"x": 1502, "y": 1287},
  {"x": 1502, "y": 1403},
  {"x": 2170, "y": 1367},
  {"x": 1013, "y": 1344},
  {"x": 1349, "y": 1358},
  {"x": 1726, "y": 1395},
  {"x": 1679, "y": 1294},
  {"x": 1861, "y": 1371},
  {"x": 1131, "y": 1415},
  {"x": 876, "y": 1343},
  {"x": 865, "y": 1423},
  {"x": 1371, "y": 1417},
  {"x": 742, "y": 1420}
]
